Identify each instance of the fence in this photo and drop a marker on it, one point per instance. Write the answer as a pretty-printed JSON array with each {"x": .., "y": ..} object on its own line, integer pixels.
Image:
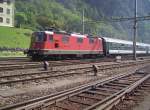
[{"x": 12, "y": 49}]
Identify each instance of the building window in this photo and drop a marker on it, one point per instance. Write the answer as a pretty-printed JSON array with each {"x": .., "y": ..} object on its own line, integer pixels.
[
  {"x": 8, "y": 2},
  {"x": 1, "y": 1},
  {"x": 8, "y": 11},
  {"x": 1, "y": 10},
  {"x": 7, "y": 20},
  {"x": 1, "y": 20}
]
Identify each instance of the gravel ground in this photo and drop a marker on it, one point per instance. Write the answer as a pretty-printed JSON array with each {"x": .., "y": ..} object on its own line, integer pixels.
[
  {"x": 34, "y": 90},
  {"x": 145, "y": 104}
]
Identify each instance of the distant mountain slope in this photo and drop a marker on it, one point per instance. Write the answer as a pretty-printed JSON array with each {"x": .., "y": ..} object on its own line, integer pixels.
[{"x": 67, "y": 15}]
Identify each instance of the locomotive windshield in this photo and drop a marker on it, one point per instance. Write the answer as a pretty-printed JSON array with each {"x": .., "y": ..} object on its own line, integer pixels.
[{"x": 40, "y": 36}]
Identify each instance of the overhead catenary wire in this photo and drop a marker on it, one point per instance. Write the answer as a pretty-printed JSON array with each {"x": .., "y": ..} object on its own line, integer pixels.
[{"x": 134, "y": 19}]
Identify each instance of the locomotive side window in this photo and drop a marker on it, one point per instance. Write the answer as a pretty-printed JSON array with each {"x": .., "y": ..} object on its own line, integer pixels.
[
  {"x": 65, "y": 39},
  {"x": 51, "y": 39},
  {"x": 91, "y": 41},
  {"x": 56, "y": 45},
  {"x": 80, "y": 40}
]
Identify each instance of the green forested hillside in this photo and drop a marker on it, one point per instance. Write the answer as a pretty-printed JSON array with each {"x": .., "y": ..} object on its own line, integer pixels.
[
  {"x": 67, "y": 15},
  {"x": 39, "y": 14}
]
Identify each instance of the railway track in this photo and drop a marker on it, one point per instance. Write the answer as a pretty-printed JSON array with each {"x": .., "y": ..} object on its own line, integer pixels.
[
  {"x": 12, "y": 65},
  {"x": 138, "y": 99},
  {"x": 12, "y": 79},
  {"x": 24, "y": 63},
  {"x": 30, "y": 65},
  {"x": 100, "y": 94}
]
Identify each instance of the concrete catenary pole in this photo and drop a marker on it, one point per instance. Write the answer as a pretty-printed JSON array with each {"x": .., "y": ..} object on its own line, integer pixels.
[
  {"x": 83, "y": 22},
  {"x": 135, "y": 31}
]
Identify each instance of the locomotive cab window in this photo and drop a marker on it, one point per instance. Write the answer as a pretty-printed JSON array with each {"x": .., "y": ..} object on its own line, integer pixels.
[
  {"x": 80, "y": 40},
  {"x": 65, "y": 39},
  {"x": 40, "y": 37}
]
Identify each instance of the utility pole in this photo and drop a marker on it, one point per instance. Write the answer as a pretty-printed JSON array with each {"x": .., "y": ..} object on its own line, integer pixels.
[
  {"x": 83, "y": 22},
  {"x": 135, "y": 31}
]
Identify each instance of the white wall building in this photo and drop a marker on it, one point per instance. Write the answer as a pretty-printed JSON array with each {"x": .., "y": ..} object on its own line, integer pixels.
[{"x": 7, "y": 13}]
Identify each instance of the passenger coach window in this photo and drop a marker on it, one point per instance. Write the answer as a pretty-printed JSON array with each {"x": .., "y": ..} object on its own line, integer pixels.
[
  {"x": 65, "y": 39},
  {"x": 80, "y": 40},
  {"x": 51, "y": 39}
]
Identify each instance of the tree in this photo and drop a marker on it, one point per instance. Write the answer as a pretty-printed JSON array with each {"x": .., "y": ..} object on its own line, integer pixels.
[
  {"x": 43, "y": 21},
  {"x": 20, "y": 19}
]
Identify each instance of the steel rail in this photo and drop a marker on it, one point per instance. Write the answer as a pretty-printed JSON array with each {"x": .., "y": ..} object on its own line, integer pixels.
[
  {"x": 117, "y": 95},
  {"x": 43, "y": 72},
  {"x": 122, "y": 95},
  {"x": 12, "y": 67},
  {"x": 88, "y": 69},
  {"x": 37, "y": 78},
  {"x": 29, "y": 66},
  {"x": 43, "y": 100}
]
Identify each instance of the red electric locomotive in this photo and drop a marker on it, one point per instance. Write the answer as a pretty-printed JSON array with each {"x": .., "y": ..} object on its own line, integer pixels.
[{"x": 63, "y": 45}]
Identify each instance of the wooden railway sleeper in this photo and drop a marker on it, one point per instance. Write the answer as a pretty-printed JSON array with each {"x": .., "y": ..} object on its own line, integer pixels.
[
  {"x": 79, "y": 102},
  {"x": 90, "y": 97},
  {"x": 120, "y": 85},
  {"x": 97, "y": 92},
  {"x": 106, "y": 89},
  {"x": 113, "y": 87}
]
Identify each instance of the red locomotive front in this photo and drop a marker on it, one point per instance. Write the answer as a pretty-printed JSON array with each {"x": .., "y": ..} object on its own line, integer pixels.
[{"x": 57, "y": 44}]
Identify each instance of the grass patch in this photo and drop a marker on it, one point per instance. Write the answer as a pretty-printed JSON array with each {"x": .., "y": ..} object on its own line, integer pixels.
[
  {"x": 11, "y": 54},
  {"x": 14, "y": 37}
]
